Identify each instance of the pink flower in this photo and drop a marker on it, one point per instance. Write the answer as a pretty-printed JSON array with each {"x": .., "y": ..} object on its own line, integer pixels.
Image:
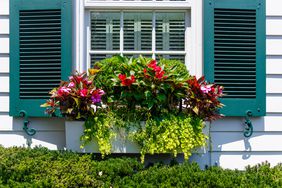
[
  {"x": 63, "y": 91},
  {"x": 71, "y": 85},
  {"x": 206, "y": 89},
  {"x": 83, "y": 92},
  {"x": 89, "y": 82}
]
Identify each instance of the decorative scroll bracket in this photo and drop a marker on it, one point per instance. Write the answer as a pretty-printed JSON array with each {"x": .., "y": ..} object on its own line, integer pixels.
[
  {"x": 28, "y": 131},
  {"x": 248, "y": 131}
]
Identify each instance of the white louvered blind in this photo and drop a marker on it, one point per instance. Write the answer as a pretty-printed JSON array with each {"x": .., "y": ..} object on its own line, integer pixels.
[{"x": 153, "y": 34}]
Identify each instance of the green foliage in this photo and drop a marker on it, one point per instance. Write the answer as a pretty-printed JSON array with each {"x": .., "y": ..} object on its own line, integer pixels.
[
  {"x": 141, "y": 82},
  {"x": 170, "y": 134},
  {"x": 39, "y": 167},
  {"x": 99, "y": 128}
]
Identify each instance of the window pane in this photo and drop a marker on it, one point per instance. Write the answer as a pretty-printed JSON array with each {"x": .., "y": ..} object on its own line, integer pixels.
[
  {"x": 137, "y": 31},
  {"x": 175, "y": 57},
  {"x": 170, "y": 31},
  {"x": 105, "y": 31}
]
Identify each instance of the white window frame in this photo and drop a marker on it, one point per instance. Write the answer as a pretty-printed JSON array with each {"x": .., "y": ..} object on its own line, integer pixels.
[{"x": 193, "y": 34}]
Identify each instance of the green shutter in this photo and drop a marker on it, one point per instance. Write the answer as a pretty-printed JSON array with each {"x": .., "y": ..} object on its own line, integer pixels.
[
  {"x": 234, "y": 53},
  {"x": 40, "y": 52}
]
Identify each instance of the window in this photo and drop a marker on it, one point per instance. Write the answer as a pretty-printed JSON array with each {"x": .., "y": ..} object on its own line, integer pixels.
[{"x": 154, "y": 32}]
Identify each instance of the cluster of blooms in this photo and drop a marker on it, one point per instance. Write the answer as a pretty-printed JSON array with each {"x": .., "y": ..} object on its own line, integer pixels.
[
  {"x": 158, "y": 71},
  {"x": 203, "y": 98},
  {"x": 126, "y": 81},
  {"x": 74, "y": 97}
]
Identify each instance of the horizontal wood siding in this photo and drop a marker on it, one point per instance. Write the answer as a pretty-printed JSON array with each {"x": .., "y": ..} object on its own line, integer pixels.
[
  {"x": 229, "y": 147},
  {"x": 50, "y": 132}
]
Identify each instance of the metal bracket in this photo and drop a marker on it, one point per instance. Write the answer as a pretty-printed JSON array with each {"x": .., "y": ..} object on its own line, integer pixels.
[
  {"x": 248, "y": 131},
  {"x": 28, "y": 131}
]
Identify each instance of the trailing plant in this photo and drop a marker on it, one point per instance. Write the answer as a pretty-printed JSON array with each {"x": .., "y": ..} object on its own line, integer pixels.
[
  {"x": 75, "y": 99},
  {"x": 170, "y": 134},
  {"x": 99, "y": 128}
]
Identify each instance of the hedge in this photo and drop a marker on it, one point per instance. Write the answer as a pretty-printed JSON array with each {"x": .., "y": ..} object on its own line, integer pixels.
[{"x": 40, "y": 167}]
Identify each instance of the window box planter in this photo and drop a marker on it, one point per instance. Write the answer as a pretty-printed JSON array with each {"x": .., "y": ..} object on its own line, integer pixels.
[{"x": 74, "y": 129}]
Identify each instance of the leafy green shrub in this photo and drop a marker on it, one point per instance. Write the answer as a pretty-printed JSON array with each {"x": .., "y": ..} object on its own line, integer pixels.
[{"x": 39, "y": 167}]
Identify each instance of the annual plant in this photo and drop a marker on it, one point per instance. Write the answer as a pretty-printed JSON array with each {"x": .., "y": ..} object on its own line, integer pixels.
[
  {"x": 75, "y": 99},
  {"x": 202, "y": 99}
]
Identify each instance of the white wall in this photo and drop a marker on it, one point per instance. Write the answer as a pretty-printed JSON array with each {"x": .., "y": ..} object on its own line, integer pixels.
[
  {"x": 229, "y": 147},
  {"x": 50, "y": 132}
]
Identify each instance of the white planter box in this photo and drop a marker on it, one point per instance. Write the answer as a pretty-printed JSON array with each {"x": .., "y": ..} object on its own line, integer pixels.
[{"x": 74, "y": 129}]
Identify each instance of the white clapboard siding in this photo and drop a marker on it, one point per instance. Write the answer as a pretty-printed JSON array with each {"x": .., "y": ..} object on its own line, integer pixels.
[
  {"x": 273, "y": 26},
  {"x": 51, "y": 140},
  {"x": 4, "y": 104},
  {"x": 274, "y": 65},
  {"x": 4, "y": 7},
  {"x": 4, "y": 84},
  {"x": 4, "y": 64},
  {"x": 239, "y": 160},
  {"x": 235, "y": 141},
  {"x": 8, "y": 123},
  {"x": 4, "y": 41},
  {"x": 274, "y": 104},
  {"x": 273, "y": 7},
  {"x": 273, "y": 45},
  {"x": 273, "y": 85},
  {"x": 4, "y": 22},
  {"x": 235, "y": 124}
]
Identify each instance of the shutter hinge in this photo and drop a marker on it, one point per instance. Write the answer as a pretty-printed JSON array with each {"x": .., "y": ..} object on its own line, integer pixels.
[
  {"x": 248, "y": 131},
  {"x": 28, "y": 131}
]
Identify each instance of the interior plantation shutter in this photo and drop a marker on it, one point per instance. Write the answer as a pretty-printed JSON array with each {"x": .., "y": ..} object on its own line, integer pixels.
[
  {"x": 40, "y": 52},
  {"x": 234, "y": 53},
  {"x": 105, "y": 34},
  {"x": 137, "y": 31}
]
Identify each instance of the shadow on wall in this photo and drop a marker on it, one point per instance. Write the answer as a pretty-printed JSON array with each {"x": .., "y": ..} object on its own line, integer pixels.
[
  {"x": 50, "y": 133},
  {"x": 230, "y": 149}
]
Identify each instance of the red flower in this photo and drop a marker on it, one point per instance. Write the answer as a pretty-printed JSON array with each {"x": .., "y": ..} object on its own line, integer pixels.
[
  {"x": 159, "y": 74},
  {"x": 145, "y": 73},
  {"x": 132, "y": 78},
  {"x": 122, "y": 77},
  {"x": 145, "y": 70},
  {"x": 157, "y": 68},
  {"x": 152, "y": 64},
  {"x": 126, "y": 81}
]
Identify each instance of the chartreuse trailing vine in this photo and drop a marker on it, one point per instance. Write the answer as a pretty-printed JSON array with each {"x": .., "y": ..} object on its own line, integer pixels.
[
  {"x": 170, "y": 134},
  {"x": 99, "y": 128}
]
